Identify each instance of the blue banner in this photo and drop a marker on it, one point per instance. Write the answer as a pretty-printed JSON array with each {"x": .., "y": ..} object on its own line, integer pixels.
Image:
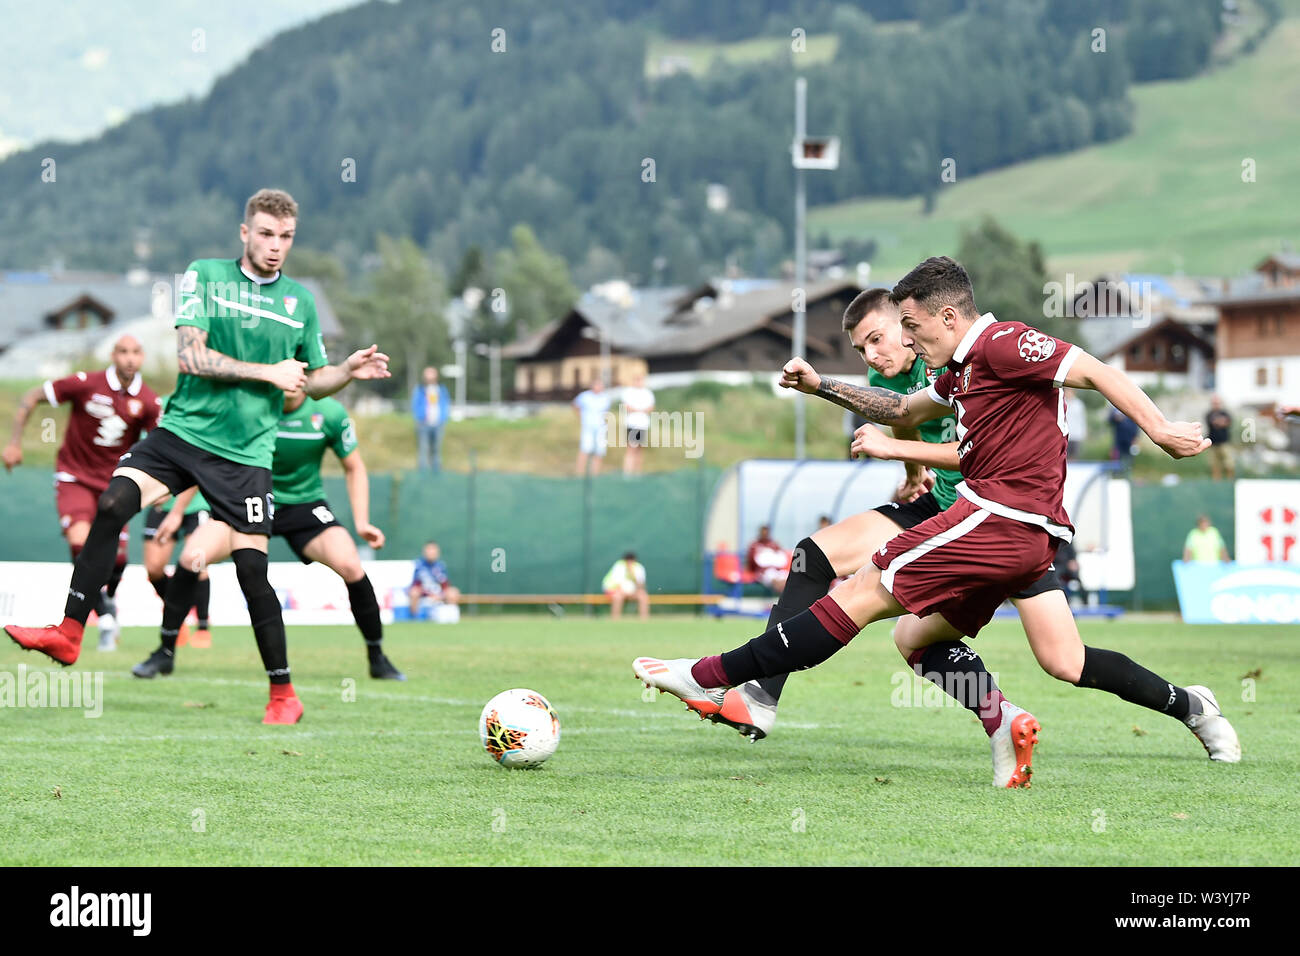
[{"x": 1224, "y": 592}]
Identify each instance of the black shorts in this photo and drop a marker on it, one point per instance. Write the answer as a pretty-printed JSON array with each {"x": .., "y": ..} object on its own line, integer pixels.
[
  {"x": 300, "y": 524},
  {"x": 912, "y": 513},
  {"x": 637, "y": 438},
  {"x": 923, "y": 507},
  {"x": 239, "y": 495},
  {"x": 155, "y": 515}
]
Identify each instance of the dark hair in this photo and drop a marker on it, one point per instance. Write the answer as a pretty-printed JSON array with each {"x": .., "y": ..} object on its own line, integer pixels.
[
  {"x": 936, "y": 282},
  {"x": 864, "y": 303},
  {"x": 630, "y": 556}
]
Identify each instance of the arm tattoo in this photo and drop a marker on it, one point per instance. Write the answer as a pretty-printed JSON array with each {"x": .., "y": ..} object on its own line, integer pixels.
[
  {"x": 874, "y": 404},
  {"x": 195, "y": 358}
]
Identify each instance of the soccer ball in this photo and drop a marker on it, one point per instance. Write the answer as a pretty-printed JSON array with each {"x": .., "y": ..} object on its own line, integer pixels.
[{"x": 519, "y": 728}]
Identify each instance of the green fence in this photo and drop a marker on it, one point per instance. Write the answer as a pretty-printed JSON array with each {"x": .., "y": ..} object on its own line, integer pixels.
[
  {"x": 521, "y": 534},
  {"x": 499, "y": 533}
]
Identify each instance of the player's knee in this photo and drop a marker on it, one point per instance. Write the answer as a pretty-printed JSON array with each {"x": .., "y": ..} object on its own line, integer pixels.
[
  {"x": 250, "y": 569},
  {"x": 1064, "y": 667},
  {"x": 351, "y": 571},
  {"x": 120, "y": 501}
]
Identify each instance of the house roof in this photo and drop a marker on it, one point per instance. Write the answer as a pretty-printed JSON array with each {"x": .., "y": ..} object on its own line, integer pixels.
[
  {"x": 1287, "y": 260},
  {"x": 26, "y": 298},
  {"x": 1254, "y": 294},
  {"x": 1168, "y": 324}
]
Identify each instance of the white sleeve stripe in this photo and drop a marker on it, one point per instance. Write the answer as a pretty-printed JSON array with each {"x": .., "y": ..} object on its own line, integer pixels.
[
  {"x": 49, "y": 393},
  {"x": 1067, "y": 363},
  {"x": 933, "y": 395}
]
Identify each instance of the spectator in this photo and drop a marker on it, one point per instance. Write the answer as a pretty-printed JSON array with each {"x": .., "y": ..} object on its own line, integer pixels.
[
  {"x": 431, "y": 580},
  {"x": 768, "y": 561},
  {"x": 593, "y": 438},
  {"x": 430, "y": 407},
  {"x": 1076, "y": 420},
  {"x": 639, "y": 402},
  {"x": 1204, "y": 543},
  {"x": 1218, "y": 425},
  {"x": 1124, "y": 439},
  {"x": 624, "y": 580}
]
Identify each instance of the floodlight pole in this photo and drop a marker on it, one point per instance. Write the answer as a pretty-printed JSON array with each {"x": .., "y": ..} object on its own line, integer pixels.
[{"x": 800, "y": 261}]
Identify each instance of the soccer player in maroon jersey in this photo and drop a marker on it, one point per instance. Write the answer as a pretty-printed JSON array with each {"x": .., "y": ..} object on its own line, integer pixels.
[
  {"x": 1003, "y": 380},
  {"x": 110, "y": 411}
]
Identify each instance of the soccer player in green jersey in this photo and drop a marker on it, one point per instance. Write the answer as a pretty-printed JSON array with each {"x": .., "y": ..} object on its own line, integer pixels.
[
  {"x": 872, "y": 323},
  {"x": 162, "y": 529},
  {"x": 304, "y": 518},
  {"x": 246, "y": 335}
]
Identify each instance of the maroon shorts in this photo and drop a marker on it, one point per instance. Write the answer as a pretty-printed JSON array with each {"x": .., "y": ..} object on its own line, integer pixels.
[
  {"x": 75, "y": 502},
  {"x": 963, "y": 563}
]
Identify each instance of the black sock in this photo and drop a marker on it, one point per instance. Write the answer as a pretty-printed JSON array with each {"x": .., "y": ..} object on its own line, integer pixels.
[
  {"x": 804, "y": 641},
  {"x": 810, "y": 578},
  {"x": 117, "y": 505},
  {"x": 956, "y": 669},
  {"x": 1116, "y": 674},
  {"x": 202, "y": 597},
  {"x": 115, "y": 576},
  {"x": 160, "y": 586},
  {"x": 365, "y": 611},
  {"x": 180, "y": 598},
  {"x": 264, "y": 612}
]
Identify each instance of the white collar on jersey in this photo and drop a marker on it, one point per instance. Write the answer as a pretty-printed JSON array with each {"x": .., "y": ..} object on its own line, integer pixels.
[
  {"x": 973, "y": 333},
  {"x": 115, "y": 383},
  {"x": 260, "y": 280}
]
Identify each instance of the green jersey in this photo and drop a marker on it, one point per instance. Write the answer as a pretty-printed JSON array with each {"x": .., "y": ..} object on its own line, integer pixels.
[
  {"x": 199, "y": 503},
  {"x": 251, "y": 321},
  {"x": 300, "y": 441},
  {"x": 936, "y": 431}
]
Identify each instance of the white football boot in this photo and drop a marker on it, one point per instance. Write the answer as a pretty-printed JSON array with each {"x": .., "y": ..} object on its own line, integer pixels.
[
  {"x": 675, "y": 677},
  {"x": 748, "y": 708},
  {"x": 1013, "y": 747},
  {"x": 109, "y": 631},
  {"x": 1212, "y": 728}
]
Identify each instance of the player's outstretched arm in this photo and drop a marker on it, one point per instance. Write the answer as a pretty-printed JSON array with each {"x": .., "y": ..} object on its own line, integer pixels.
[
  {"x": 870, "y": 440},
  {"x": 877, "y": 404},
  {"x": 1178, "y": 439},
  {"x": 13, "y": 453},
  {"x": 367, "y": 363},
  {"x": 358, "y": 482},
  {"x": 195, "y": 358}
]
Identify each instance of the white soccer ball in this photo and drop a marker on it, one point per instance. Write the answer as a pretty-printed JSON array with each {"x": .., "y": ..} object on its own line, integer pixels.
[{"x": 519, "y": 728}]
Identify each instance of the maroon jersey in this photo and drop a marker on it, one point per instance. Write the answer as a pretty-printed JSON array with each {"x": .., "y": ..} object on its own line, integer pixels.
[
  {"x": 107, "y": 418},
  {"x": 1004, "y": 383}
]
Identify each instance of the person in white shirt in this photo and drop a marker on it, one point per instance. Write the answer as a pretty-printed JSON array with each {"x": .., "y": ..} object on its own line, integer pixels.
[
  {"x": 639, "y": 402},
  {"x": 592, "y": 406},
  {"x": 624, "y": 580}
]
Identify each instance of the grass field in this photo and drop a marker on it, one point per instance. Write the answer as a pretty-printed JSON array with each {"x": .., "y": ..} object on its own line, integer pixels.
[
  {"x": 179, "y": 771},
  {"x": 1168, "y": 197}
]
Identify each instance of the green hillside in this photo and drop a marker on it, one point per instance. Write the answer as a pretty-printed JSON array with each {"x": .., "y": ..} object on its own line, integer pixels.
[{"x": 1168, "y": 196}]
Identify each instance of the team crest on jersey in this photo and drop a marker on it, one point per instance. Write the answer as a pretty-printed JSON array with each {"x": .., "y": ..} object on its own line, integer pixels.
[
  {"x": 965, "y": 379},
  {"x": 317, "y": 421},
  {"x": 290, "y": 303},
  {"x": 1035, "y": 346}
]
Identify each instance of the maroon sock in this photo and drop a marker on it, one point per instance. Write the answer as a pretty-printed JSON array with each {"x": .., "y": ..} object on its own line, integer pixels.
[
  {"x": 803, "y": 641},
  {"x": 708, "y": 672}
]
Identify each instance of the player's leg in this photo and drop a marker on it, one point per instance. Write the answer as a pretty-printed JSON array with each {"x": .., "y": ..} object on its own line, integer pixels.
[
  {"x": 642, "y": 604},
  {"x": 1054, "y": 638},
  {"x": 209, "y": 544},
  {"x": 805, "y": 640},
  {"x": 129, "y": 488},
  {"x": 77, "y": 505},
  {"x": 156, "y": 553},
  {"x": 616, "y": 604},
  {"x": 936, "y": 651},
  {"x": 249, "y": 556},
  {"x": 816, "y": 561},
  {"x": 334, "y": 548},
  {"x": 202, "y": 636}
]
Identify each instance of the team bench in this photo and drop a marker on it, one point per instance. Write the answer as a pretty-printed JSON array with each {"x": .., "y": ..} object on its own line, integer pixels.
[{"x": 674, "y": 599}]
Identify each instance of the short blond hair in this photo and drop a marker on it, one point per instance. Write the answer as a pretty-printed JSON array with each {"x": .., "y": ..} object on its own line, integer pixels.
[{"x": 274, "y": 202}]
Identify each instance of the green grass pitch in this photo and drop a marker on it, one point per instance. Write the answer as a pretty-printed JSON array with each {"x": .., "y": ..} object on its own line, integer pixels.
[{"x": 179, "y": 770}]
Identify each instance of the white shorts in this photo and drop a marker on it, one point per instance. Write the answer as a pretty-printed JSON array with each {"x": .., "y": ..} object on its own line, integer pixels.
[{"x": 593, "y": 440}]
